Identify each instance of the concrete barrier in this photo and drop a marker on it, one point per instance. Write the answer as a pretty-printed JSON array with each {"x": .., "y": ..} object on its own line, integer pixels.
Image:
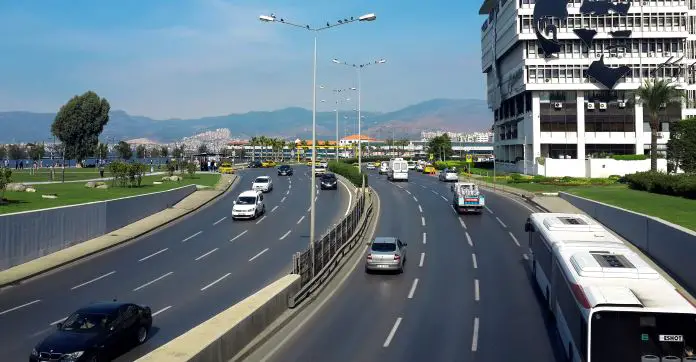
[
  {"x": 221, "y": 337},
  {"x": 25, "y": 236},
  {"x": 669, "y": 245}
]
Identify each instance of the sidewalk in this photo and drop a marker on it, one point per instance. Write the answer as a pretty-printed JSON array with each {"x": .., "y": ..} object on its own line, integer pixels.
[{"x": 45, "y": 263}]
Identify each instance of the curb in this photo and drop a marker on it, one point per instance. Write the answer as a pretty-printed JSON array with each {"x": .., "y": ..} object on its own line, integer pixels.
[
  {"x": 18, "y": 280},
  {"x": 526, "y": 198}
]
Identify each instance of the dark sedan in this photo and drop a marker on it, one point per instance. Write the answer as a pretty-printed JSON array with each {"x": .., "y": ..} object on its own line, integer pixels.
[
  {"x": 285, "y": 170},
  {"x": 255, "y": 164},
  {"x": 99, "y": 332},
  {"x": 328, "y": 181}
]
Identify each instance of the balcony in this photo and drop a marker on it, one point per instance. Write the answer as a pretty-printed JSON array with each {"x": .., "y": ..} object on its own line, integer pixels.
[
  {"x": 610, "y": 137},
  {"x": 558, "y": 137}
]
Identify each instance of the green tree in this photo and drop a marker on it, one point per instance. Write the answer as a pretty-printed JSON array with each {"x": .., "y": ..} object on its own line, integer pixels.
[
  {"x": 203, "y": 148},
  {"x": 124, "y": 150},
  {"x": 5, "y": 178},
  {"x": 3, "y": 152},
  {"x": 164, "y": 151},
  {"x": 102, "y": 151},
  {"x": 140, "y": 151},
  {"x": 79, "y": 123},
  {"x": 655, "y": 95},
  {"x": 36, "y": 151},
  {"x": 17, "y": 152},
  {"x": 179, "y": 151},
  {"x": 681, "y": 147},
  {"x": 440, "y": 147},
  {"x": 154, "y": 152}
]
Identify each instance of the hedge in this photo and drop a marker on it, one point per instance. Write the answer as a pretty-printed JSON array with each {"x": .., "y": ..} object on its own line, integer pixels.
[
  {"x": 661, "y": 183},
  {"x": 629, "y": 157},
  {"x": 348, "y": 171},
  {"x": 516, "y": 178}
]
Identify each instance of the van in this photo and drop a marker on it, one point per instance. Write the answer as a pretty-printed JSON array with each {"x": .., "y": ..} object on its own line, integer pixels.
[
  {"x": 384, "y": 168},
  {"x": 398, "y": 170}
]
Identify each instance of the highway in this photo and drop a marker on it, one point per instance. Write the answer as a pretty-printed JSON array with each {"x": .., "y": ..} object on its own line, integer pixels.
[
  {"x": 465, "y": 294},
  {"x": 186, "y": 272}
]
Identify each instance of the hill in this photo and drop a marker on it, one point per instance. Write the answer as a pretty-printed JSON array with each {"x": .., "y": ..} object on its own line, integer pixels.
[{"x": 459, "y": 115}]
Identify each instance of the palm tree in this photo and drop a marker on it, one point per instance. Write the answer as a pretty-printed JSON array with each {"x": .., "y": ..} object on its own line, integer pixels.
[
  {"x": 655, "y": 94},
  {"x": 253, "y": 142}
]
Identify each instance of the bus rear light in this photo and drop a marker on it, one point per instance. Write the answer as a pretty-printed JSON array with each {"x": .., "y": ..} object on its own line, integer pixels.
[{"x": 580, "y": 295}]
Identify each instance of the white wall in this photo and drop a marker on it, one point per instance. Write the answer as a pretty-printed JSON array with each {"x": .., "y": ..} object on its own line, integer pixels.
[
  {"x": 605, "y": 167},
  {"x": 554, "y": 167}
]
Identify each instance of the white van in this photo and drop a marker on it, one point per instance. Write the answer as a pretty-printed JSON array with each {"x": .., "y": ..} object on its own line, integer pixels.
[
  {"x": 384, "y": 168},
  {"x": 398, "y": 170}
]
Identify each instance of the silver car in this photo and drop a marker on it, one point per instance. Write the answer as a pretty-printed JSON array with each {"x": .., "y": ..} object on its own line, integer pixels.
[{"x": 386, "y": 253}]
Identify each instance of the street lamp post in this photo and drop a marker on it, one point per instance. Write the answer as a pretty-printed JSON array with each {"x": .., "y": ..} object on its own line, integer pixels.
[
  {"x": 358, "y": 68},
  {"x": 338, "y": 98},
  {"x": 315, "y": 30}
]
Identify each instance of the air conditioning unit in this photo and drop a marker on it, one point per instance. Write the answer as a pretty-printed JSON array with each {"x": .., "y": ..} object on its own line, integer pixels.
[
  {"x": 590, "y": 105},
  {"x": 558, "y": 105},
  {"x": 602, "y": 105},
  {"x": 622, "y": 104}
]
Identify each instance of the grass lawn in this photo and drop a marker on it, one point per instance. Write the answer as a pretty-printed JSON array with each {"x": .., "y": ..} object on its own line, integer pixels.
[
  {"x": 71, "y": 174},
  {"x": 77, "y": 193}
]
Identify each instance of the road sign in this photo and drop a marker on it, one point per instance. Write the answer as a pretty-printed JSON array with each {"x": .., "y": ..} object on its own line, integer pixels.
[
  {"x": 431, "y": 156},
  {"x": 469, "y": 158}
]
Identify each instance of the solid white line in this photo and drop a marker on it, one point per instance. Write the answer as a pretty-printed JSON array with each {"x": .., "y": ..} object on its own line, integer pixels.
[
  {"x": 19, "y": 307},
  {"x": 468, "y": 238},
  {"x": 152, "y": 281},
  {"x": 153, "y": 254},
  {"x": 215, "y": 282},
  {"x": 92, "y": 281},
  {"x": 161, "y": 310},
  {"x": 444, "y": 198},
  {"x": 192, "y": 236},
  {"x": 514, "y": 238},
  {"x": 258, "y": 255},
  {"x": 424, "y": 237},
  {"x": 283, "y": 199},
  {"x": 239, "y": 236},
  {"x": 285, "y": 235},
  {"x": 206, "y": 254},
  {"x": 462, "y": 223},
  {"x": 423, "y": 220},
  {"x": 350, "y": 198},
  {"x": 415, "y": 199},
  {"x": 474, "y": 341},
  {"x": 408, "y": 192},
  {"x": 525, "y": 256},
  {"x": 392, "y": 332},
  {"x": 219, "y": 221},
  {"x": 258, "y": 222},
  {"x": 274, "y": 208},
  {"x": 453, "y": 209},
  {"x": 473, "y": 259},
  {"x": 477, "y": 296},
  {"x": 435, "y": 192},
  {"x": 420, "y": 209},
  {"x": 300, "y": 220},
  {"x": 413, "y": 288},
  {"x": 489, "y": 210},
  {"x": 422, "y": 259},
  {"x": 501, "y": 222},
  {"x": 59, "y": 321}
]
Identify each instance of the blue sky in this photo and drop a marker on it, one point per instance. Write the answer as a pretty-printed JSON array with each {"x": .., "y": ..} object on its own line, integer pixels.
[{"x": 193, "y": 58}]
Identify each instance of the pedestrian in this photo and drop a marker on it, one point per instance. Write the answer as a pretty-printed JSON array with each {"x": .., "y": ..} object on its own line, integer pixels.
[{"x": 101, "y": 170}]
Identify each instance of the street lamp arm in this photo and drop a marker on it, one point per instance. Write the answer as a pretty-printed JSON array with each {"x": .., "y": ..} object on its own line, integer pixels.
[
  {"x": 274, "y": 19},
  {"x": 363, "y": 65}
]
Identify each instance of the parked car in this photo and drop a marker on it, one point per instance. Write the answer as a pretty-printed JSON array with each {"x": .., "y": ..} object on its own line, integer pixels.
[
  {"x": 328, "y": 181},
  {"x": 98, "y": 332},
  {"x": 248, "y": 205},
  {"x": 255, "y": 164},
  {"x": 285, "y": 170},
  {"x": 263, "y": 184},
  {"x": 386, "y": 253}
]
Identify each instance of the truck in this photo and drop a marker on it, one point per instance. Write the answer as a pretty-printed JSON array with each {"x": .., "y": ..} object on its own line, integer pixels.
[
  {"x": 466, "y": 197},
  {"x": 398, "y": 170}
]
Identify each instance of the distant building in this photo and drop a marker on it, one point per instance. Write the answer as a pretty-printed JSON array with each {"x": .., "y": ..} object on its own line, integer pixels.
[{"x": 354, "y": 139}]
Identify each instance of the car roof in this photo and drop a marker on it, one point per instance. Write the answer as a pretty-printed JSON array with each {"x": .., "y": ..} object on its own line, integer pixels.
[
  {"x": 102, "y": 307},
  {"x": 264, "y": 177},
  {"x": 250, "y": 193},
  {"x": 385, "y": 240}
]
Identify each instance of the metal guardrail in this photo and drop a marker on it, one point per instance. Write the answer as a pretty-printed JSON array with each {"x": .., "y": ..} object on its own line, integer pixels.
[{"x": 330, "y": 248}]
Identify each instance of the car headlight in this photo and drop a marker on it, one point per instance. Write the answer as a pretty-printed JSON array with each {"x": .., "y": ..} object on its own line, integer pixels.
[
  {"x": 73, "y": 356},
  {"x": 34, "y": 352}
]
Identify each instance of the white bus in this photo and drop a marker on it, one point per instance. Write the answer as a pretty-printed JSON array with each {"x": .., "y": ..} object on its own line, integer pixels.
[
  {"x": 398, "y": 170},
  {"x": 608, "y": 303}
]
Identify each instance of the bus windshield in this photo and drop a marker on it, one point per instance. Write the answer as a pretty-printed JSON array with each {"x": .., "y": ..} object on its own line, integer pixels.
[{"x": 641, "y": 336}]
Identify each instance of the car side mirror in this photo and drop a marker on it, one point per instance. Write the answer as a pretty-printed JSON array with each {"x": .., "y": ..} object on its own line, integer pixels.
[
  {"x": 405, "y": 244},
  {"x": 527, "y": 227},
  {"x": 234, "y": 202},
  {"x": 59, "y": 326}
]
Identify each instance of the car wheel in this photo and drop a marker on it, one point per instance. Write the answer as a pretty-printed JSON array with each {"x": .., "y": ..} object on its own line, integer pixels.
[
  {"x": 401, "y": 269},
  {"x": 263, "y": 210},
  {"x": 141, "y": 335}
]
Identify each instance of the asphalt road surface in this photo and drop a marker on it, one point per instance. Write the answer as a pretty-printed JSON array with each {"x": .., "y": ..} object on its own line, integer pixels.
[
  {"x": 186, "y": 272},
  {"x": 465, "y": 295}
]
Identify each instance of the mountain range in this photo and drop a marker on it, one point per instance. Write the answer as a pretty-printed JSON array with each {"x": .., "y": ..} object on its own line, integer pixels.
[{"x": 456, "y": 115}]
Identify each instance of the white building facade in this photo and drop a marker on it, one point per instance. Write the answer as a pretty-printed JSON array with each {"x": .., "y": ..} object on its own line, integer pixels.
[{"x": 561, "y": 79}]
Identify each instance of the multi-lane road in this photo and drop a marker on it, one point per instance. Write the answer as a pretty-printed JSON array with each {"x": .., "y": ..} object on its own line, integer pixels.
[
  {"x": 186, "y": 272},
  {"x": 465, "y": 294}
]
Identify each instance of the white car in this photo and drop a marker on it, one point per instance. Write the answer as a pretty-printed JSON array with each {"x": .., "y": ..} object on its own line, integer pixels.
[
  {"x": 370, "y": 166},
  {"x": 263, "y": 184},
  {"x": 411, "y": 165},
  {"x": 323, "y": 164},
  {"x": 248, "y": 205},
  {"x": 448, "y": 175},
  {"x": 319, "y": 170},
  {"x": 384, "y": 168}
]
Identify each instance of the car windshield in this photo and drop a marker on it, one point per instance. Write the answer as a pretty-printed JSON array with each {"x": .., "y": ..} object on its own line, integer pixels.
[
  {"x": 84, "y": 322},
  {"x": 328, "y": 178},
  {"x": 284, "y": 167},
  {"x": 383, "y": 247},
  {"x": 226, "y": 165},
  {"x": 261, "y": 180},
  {"x": 246, "y": 200}
]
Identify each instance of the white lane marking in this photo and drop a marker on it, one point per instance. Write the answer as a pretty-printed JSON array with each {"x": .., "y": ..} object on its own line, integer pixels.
[
  {"x": 444, "y": 198},
  {"x": 514, "y": 238},
  {"x": 422, "y": 259},
  {"x": 259, "y": 254},
  {"x": 258, "y": 222},
  {"x": 93, "y": 280},
  {"x": 316, "y": 198},
  {"x": 309, "y": 208},
  {"x": 461, "y": 222},
  {"x": 161, "y": 310},
  {"x": 392, "y": 333},
  {"x": 238, "y": 236},
  {"x": 489, "y": 210},
  {"x": 219, "y": 221},
  {"x": 287, "y": 192},
  {"x": 468, "y": 238},
  {"x": 300, "y": 220},
  {"x": 422, "y": 220},
  {"x": 19, "y": 307},
  {"x": 206, "y": 254},
  {"x": 153, "y": 254},
  {"x": 274, "y": 208},
  {"x": 454, "y": 210},
  {"x": 216, "y": 281},
  {"x": 408, "y": 192},
  {"x": 420, "y": 209},
  {"x": 285, "y": 235},
  {"x": 474, "y": 340},
  {"x": 59, "y": 321},
  {"x": 424, "y": 237},
  {"x": 477, "y": 295},
  {"x": 413, "y": 288},
  {"x": 399, "y": 186},
  {"x": 415, "y": 199},
  {"x": 350, "y": 198},
  {"x": 192, "y": 236},
  {"x": 525, "y": 256},
  {"x": 153, "y": 281},
  {"x": 283, "y": 199},
  {"x": 289, "y": 187},
  {"x": 435, "y": 192},
  {"x": 473, "y": 259},
  {"x": 423, "y": 186},
  {"x": 501, "y": 222}
]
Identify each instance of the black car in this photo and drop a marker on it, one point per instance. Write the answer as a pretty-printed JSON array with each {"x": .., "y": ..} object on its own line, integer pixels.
[
  {"x": 255, "y": 164},
  {"x": 285, "y": 170},
  {"x": 99, "y": 332},
  {"x": 328, "y": 181}
]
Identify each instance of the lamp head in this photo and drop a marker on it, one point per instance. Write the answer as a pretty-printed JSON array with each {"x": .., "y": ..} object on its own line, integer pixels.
[
  {"x": 368, "y": 17},
  {"x": 336, "y": 61},
  {"x": 266, "y": 18}
]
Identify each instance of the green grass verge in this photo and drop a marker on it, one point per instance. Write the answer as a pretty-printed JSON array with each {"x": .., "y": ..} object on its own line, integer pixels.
[
  {"x": 71, "y": 174},
  {"x": 77, "y": 193}
]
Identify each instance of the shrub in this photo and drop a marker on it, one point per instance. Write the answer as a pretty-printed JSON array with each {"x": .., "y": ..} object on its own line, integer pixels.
[
  {"x": 683, "y": 185},
  {"x": 629, "y": 157},
  {"x": 125, "y": 174},
  {"x": 5, "y": 178},
  {"x": 171, "y": 168},
  {"x": 348, "y": 171},
  {"x": 191, "y": 169}
]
